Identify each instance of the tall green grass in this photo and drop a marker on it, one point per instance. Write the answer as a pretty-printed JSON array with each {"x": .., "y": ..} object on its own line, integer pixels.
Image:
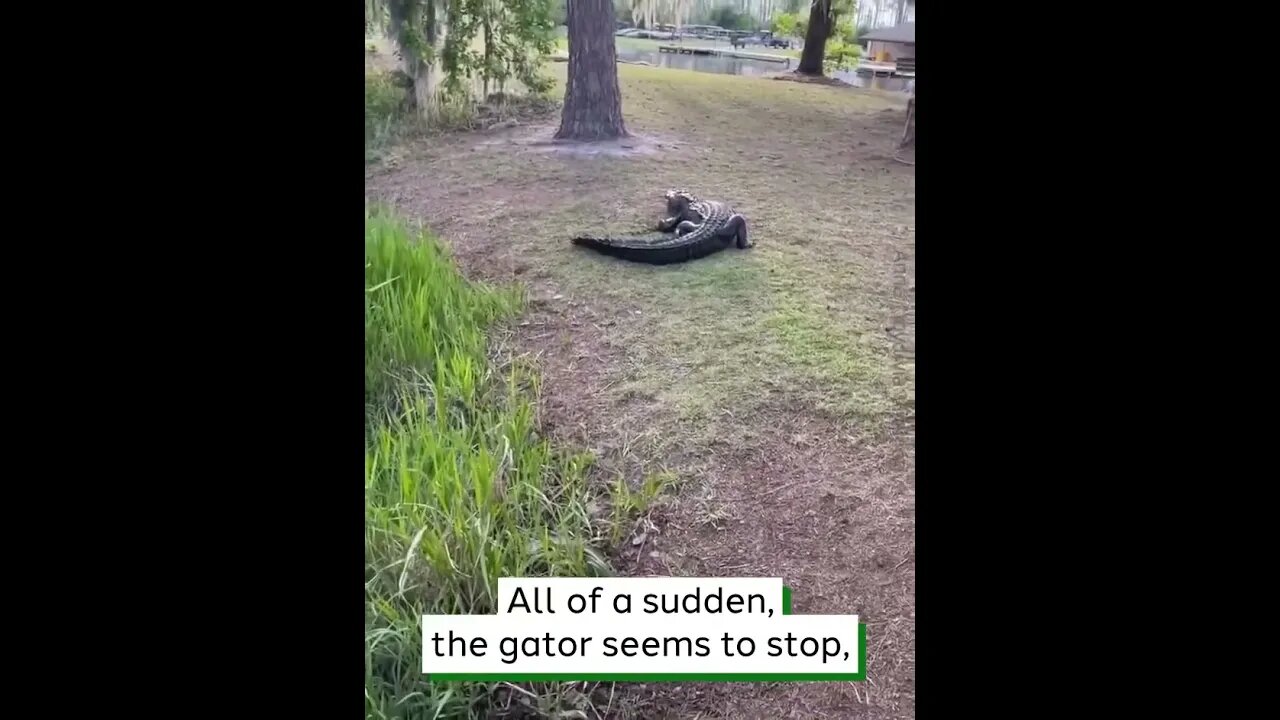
[
  {"x": 385, "y": 112},
  {"x": 388, "y": 117},
  {"x": 459, "y": 488}
]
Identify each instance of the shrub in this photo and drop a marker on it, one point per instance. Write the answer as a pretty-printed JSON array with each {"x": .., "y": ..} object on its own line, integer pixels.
[
  {"x": 385, "y": 108},
  {"x": 842, "y": 56}
]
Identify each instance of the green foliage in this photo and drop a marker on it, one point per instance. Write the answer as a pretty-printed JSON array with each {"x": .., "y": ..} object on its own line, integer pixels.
[
  {"x": 419, "y": 311},
  {"x": 841, "y": 55},
  {"x": 730, "y": 19},
  {"x": 626, "y": 503},
  {"x": 459, "y": 488},
  {"x": 790, "y": 25},
  {"x": 411, "y": 23},
  {"x": 840, "y": 50},
  {"x": 841, "y": 12},
  {"x": 375, "y": 16},
  {"x": 385, "y": 110},
  {"x": 389, "y": 115},
  {"x": 526, "y": 34},
  {"x": 845, "y": 31},
  {"x": 513, "y": 34}
]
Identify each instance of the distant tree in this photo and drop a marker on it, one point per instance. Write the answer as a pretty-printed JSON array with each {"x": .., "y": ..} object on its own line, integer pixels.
[
  {"x": 791, "y": 25},
  {"x": 731, "y": 19},
  {"x": 785, "y": 25},
  {"x": 679, "y": 9},
  {"x": 821, "y": 22},
  {"x": 823, "y": 18},
  {"x": 845, "y": 30},
  {"x": 435, "y": 39},
  {"x": 644, "y": 13},
  {"x": 592, "y": 99},
  {"x": 420, "y": 30}
]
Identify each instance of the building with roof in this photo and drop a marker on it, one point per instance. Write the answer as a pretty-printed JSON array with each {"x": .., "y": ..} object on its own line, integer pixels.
[{"x": 891, "y": 44}]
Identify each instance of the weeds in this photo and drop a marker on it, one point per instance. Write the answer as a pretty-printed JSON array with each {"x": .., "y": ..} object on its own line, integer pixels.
[
  {"x": 459, "y": 488},
  {"x": 389, "y": 115},
  {"x": 421, "y": 315},
  {"x": 386, "y": 110},
  {"x": 628, "y": 504}
]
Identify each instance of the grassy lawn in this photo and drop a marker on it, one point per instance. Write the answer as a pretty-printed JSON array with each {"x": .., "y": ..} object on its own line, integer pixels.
[
  {"x": 801, "y": 315},
  {"x": 788, "y": 367}
]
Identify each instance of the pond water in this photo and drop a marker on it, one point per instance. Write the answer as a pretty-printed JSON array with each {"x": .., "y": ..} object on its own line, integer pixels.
[{"x": 746, "y": 66}]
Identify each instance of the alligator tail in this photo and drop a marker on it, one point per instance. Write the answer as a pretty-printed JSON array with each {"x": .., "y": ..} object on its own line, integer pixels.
[
  {"x": 605, "y": 243},
  {"x": 638, "y": 249}
]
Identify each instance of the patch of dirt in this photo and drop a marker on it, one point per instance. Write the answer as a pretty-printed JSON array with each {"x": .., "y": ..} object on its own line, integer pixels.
[
  {"x": 539, "y": 138},
  {"x": 831, "y": 513},
  {"x": 788, "y": 492},
  {"x": 499, "y": 111}
]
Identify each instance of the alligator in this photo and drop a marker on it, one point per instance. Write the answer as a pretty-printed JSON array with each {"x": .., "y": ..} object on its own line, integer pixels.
[{"x": 693, "y": 229}]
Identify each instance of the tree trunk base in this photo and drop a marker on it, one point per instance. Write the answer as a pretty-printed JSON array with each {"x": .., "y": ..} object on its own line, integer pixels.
[
  {"x": 592, "y": 100},
  {"x": 579, "y": 133}
]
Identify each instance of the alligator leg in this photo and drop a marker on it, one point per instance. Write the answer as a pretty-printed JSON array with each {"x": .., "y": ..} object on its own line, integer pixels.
[
  {"x": 685, "y": 228},
  {"x": 668, "y": 224},
  {"x": 736, "y": 227}
]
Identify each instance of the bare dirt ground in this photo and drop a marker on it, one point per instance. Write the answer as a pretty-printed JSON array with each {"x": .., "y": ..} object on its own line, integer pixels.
[{"x": 776, "y": 383}]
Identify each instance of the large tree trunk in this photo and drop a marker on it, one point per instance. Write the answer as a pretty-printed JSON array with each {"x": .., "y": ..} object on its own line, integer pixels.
[
  {"x": 592, "y": 101},
  {"x": 427, "y": 76},
  {"x": 488, "y": 52},
  {"x": 815, "y": 40}
]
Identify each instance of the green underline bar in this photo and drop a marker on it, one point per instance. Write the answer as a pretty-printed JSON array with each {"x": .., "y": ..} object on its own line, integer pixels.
[{"x": 648, "y": 677}]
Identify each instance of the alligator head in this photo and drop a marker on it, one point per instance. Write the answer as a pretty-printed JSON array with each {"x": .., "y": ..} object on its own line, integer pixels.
[{"x": 678, "y": 201}]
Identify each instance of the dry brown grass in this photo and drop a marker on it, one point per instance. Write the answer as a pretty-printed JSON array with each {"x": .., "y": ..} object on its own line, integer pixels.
[{"x": 776, "y": 383}]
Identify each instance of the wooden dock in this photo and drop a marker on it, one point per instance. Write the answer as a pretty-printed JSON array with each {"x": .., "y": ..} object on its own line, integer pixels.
[
  {"x": 724, "y": 52},
  {"x": 876, "y": 68}
]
